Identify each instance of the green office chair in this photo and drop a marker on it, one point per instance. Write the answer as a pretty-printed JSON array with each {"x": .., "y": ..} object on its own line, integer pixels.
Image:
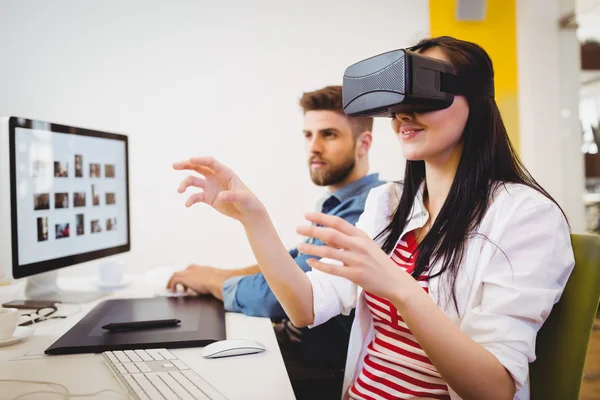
[{"x": 563, "y": 339}]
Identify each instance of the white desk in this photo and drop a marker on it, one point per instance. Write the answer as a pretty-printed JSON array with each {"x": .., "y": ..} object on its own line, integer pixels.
[{"x": 256, "y": 376}]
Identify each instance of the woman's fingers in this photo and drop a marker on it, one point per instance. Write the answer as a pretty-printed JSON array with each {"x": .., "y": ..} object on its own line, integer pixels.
[
  {"x": 186, "y": 165},
  {"x": 210, "y": 163},
  {"x": 334, "y": 222},
  {"x": 326, "y": 252},
  {"x": 195, "y": 198},
  {"x": 191, "y": 181},
  {"x": 329, "y": 236}
]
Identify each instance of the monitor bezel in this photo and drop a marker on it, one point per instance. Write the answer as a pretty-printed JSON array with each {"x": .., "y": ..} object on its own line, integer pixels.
[{"x": 22, "y": 271}]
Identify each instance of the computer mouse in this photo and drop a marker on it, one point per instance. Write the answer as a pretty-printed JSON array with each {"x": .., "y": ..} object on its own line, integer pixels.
[{"x": 232, "y": 347}]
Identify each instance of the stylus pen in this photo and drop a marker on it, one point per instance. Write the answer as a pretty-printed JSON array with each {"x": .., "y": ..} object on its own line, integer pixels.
[{"x": 159, "y": 323}]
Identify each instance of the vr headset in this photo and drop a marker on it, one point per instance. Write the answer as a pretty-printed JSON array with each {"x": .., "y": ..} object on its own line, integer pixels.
[{"x": 405, "y": 81}]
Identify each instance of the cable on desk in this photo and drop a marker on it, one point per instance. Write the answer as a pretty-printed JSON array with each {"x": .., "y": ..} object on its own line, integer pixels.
[{"x": 66, "y": 393}]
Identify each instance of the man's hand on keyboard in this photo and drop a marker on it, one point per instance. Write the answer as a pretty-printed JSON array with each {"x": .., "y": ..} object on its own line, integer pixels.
[{"x": 202, "y": 280}]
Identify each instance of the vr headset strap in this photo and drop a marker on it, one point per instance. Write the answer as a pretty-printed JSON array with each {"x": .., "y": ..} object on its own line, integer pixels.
[{"x": 463, "y": 85}]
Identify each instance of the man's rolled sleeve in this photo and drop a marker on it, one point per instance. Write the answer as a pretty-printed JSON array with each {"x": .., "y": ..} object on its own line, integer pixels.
[{"x": 229, "y": 294}]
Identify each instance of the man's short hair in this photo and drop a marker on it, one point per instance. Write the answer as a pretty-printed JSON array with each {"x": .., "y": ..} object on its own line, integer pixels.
[{"x": 329, "y": 98}]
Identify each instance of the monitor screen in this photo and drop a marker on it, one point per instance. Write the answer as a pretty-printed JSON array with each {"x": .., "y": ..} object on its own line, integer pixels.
[{"x": 69, "y": 195}]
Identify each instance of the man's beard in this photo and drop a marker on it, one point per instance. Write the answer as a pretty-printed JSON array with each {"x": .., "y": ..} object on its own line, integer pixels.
[{"x": 332, "y": 175}]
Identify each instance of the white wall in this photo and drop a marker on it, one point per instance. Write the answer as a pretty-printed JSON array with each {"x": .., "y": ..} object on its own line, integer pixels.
[
  {"x": 588, "y": 12},
  {"x": 550, "y": 135},
  {"x": 187, "y": 78}
]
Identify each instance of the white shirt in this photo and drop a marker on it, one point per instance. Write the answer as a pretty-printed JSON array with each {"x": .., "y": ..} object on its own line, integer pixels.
[{"x": 507, "y": 284}]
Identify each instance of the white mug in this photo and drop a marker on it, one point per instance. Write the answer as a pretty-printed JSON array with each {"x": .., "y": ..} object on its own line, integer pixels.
[
  {"x": 111, "y": 272},
  {"x": 9, "y": 318}
]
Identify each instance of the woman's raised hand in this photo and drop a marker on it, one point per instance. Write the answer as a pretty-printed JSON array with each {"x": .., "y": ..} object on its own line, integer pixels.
[{"x": 221, "y": 188}]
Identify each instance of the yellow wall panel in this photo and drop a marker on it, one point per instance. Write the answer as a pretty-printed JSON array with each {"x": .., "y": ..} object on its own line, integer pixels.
[{"x": 497, "y": 34}]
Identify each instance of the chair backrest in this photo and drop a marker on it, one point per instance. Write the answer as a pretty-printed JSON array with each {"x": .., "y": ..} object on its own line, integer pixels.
[{"x": 563, "y": 339}]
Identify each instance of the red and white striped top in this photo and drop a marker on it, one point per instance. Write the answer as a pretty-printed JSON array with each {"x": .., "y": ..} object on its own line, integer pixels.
[{"x": 395, "y": 366}]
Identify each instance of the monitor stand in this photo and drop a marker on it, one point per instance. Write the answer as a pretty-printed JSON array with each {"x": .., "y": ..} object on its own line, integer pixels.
[{"x": 44, "y": 287}]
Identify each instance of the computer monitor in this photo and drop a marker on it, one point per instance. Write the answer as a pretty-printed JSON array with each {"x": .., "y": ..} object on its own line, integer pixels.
[{"x": 64, "y": 200}]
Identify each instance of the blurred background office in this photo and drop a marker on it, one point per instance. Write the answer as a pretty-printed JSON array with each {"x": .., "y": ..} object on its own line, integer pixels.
[{"x": 189, "y": 77}]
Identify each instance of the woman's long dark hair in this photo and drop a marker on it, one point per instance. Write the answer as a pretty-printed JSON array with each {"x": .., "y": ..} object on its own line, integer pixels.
[{"x": 487, "y": 161}]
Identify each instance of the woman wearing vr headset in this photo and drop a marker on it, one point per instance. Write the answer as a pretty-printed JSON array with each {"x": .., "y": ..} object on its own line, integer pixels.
[{"x": 452, "y": 272}]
